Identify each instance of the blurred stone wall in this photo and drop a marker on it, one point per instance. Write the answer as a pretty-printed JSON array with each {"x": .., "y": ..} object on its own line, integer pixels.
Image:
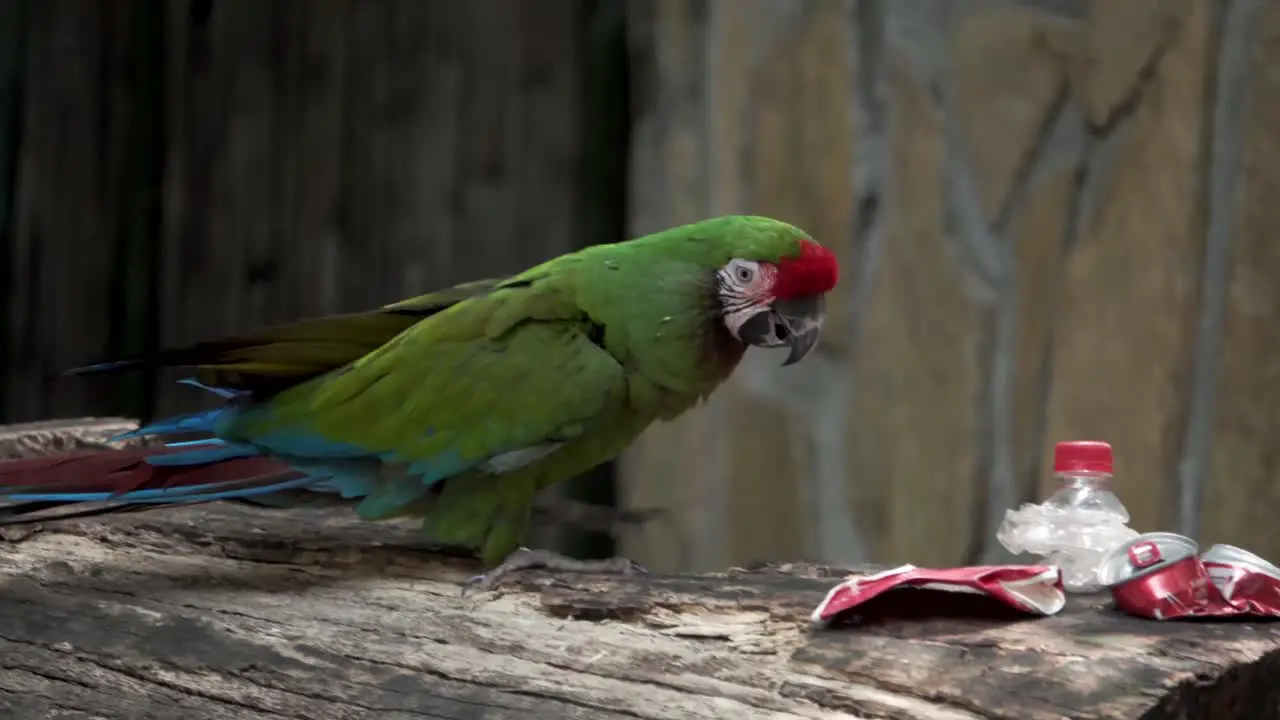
[{"x": 1053, "y": 220}]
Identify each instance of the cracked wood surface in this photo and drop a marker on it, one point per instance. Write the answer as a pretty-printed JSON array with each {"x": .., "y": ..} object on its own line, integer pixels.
[{"x": 224, "y": 612}]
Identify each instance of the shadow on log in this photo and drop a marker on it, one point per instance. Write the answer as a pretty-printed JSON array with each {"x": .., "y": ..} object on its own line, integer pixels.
[{"x": 228, "y": 612}]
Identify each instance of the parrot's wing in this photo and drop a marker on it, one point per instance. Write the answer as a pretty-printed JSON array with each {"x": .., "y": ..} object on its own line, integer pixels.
[
  {"x": 442, "y": 402},
  {"x": 266, "y": 361}
]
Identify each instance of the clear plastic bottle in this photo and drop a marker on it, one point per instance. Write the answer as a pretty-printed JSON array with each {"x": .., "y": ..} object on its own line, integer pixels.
[{"x": 1080, "y": 523}]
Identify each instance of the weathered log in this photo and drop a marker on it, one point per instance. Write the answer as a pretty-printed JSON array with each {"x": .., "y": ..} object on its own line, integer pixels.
[
  {"x": 229, "y": 612},
  {"x": 54, "y": 436}
]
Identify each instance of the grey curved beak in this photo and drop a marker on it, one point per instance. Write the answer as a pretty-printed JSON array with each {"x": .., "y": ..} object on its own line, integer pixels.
[{"x": 803, "y": 317}]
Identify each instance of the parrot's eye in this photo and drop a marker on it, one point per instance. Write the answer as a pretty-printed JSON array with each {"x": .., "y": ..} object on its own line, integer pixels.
[{"x": 738, "y": 279}]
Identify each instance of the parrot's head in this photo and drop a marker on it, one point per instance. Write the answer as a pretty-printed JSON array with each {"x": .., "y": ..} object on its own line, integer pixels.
[{"x": 772, "y": 290}]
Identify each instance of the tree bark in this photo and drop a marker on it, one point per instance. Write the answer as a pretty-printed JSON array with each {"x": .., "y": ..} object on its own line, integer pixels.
[{"x": 220, "y": 611}]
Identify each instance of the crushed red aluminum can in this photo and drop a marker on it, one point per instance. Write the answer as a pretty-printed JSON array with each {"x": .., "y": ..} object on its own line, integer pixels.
[
  {"x": 1030, "y": 589},
  {"x": 1160, "y": 576},
  {"x": 1247, "y": 584}
]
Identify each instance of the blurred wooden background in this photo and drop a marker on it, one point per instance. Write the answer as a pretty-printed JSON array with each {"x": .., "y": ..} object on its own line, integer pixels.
[{"x": 1053, "y": 216}]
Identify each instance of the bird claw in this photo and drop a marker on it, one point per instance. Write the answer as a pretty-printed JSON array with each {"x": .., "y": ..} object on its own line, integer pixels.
[{"x": 526, "y": 559}]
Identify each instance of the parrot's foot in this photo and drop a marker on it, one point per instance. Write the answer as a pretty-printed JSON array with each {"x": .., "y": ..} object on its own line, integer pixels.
[{"x": 526, "y": 559}]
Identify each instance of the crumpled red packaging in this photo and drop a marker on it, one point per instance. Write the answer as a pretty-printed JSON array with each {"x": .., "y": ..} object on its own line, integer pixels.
[
  {"x": 1163, "y": 576},
  {"x": 1030, "y": 589}
]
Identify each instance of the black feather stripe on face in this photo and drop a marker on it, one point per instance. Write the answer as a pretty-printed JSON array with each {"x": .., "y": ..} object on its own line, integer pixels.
[
  {"x": 730, "y": 298},
  {"x": 743, "y": 291},
  {"x": 722, "y": 349}
]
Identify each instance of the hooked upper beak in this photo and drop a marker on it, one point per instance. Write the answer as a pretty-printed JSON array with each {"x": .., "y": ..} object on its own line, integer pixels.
[{"x": 796, "y": 323}]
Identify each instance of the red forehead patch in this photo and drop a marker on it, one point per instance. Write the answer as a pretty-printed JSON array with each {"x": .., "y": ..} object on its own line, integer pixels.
[{"x": 812, "y": 272}]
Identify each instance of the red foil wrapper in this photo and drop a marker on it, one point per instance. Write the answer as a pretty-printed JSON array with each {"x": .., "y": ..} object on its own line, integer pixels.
[{"x": 1030, "y": 589}]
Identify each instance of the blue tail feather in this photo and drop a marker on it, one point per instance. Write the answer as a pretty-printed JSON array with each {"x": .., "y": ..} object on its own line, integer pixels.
[
  {"x": 202, "y": 421},
  {"x": 208, "y": 421},
  {"x": 224, "y": 393},
  {"x": 302, "y": 444},
  {"x": 202, "y": 456},
  {"x": 190, "y": 493}
]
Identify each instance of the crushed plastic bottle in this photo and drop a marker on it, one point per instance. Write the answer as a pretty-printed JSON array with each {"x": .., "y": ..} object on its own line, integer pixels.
[{"x": 1080, "y": 523}]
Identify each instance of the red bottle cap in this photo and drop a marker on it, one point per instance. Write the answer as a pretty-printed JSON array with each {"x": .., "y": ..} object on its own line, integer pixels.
[{"x": 1082, "y": 456}]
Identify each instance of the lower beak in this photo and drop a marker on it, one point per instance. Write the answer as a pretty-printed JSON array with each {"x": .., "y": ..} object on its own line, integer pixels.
[{"x": 803, "y": 318}]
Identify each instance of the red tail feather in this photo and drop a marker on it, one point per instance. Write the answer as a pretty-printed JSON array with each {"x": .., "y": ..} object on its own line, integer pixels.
[{"x": 125, "y": 470}]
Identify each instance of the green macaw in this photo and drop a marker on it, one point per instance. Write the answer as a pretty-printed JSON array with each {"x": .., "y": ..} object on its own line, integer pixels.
[{"x": 459, "y": 406}]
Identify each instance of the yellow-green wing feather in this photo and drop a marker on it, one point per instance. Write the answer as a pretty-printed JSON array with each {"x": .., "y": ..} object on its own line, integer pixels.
[
  {"x": 273, "y": 358},
  {"x": 486, "y": 393}
]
